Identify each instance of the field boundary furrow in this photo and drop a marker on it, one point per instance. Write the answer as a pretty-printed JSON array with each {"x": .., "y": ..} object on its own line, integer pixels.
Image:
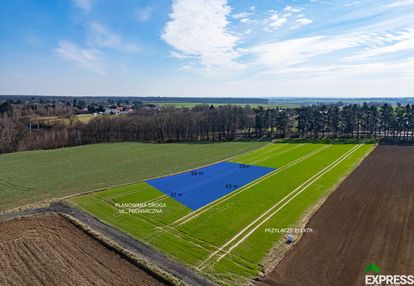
[
  {"x": 255, "y": 156},
  {"x": 265, "y": 216},
  {"x": 178, "y": 234},
  {"x": 171, "y": 231},
  {"x": 277, "y": 154}
]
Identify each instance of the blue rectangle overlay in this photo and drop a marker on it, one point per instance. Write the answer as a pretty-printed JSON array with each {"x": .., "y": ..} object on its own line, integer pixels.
[{"x": 200, "y": 187}]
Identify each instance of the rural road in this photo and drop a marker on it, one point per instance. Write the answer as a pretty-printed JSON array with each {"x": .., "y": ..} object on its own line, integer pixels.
[{"x": 175, "y": 268}]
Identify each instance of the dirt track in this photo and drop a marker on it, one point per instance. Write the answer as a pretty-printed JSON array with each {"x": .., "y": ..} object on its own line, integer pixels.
[
  {"x": 50, "y": 250},
  {"x": 368, "y": 219}
]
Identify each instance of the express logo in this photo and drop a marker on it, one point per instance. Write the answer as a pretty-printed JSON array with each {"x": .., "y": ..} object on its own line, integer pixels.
[
  {"x": 372, "y": 267},
  {"x": 385, "y": 280}
]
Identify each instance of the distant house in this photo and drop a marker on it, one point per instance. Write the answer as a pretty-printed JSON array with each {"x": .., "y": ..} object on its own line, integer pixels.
[{"x": 112, "y": 111}]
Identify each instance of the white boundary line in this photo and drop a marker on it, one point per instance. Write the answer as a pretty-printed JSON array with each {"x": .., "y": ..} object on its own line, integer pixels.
[
  {"x": 217, "y": 202},
  {"x": 198, "y": 212},
  {"x": 282, "y": 206},
  {"x": 275, "y": 155},
  {"x": 163, "y": 196},
  {"x": 299, "y": 190},
  {"x": 273, "y": 148},
  {"x": 221, "y": 174}
]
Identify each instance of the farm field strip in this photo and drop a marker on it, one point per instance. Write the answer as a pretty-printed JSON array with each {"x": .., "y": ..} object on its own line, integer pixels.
[
  {"x": 298, "y": 189},
  {"x": 206, "y": 236},
  {"x": 181, "y": 233},
  {"x": 234, "y": 193},
  {"x": 183, "y": 190},
  {"x": 171, "y": 226},
  {"x": 269, "y": 147},
  {"x": 147, "y": 221},
  {"x": 157, "y": 199},
  {"x": 197, "y": 213},
  {"x": 275, "y": 155},
  {"x": 200, "y": 187},
  {"x": 174, "y": 231},
  {"x": 156, "y": 224},
  {"x": 143, "y": 218},
  {"x": 254, "y": 154},
  {"x": 263, "y": 158},
  {"x": 268, "y": 192},
  {"x": 257, "y": 246},
  {"x": 259, "y": 155},
  {"x": 129, "y": 192},
  {"x": 262, "y": 219}
]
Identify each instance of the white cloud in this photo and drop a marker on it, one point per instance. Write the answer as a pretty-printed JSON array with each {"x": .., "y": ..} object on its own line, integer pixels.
[
  {"x": 102, "y": 37},
  {"x": 241, "y": 15},
  {"x": 303, "y": 22},
  {"x": 388, "y": 44},
  {"x": 84, "y": 5},
  {"x": 291, "y": 9},
  {"x": 398, "y": 47},
  {"x": 356, "y": 57},
  {"x": 278, "y": 19},
  {"x": 198, "y": 29},
  {"x": 297, "y": 51},
  {"x": 401, "y": 3},
  {"x": 84, "y": 58},
  {"x": 352, "y": 47},
  {"x": 178, "y": 55},
  {"x": 352, "y": 3},
  {"x": 144, "y": 14}
]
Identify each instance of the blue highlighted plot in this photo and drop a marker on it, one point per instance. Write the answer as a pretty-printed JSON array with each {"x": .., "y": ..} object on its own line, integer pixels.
[{"x": 200, "y": 187}]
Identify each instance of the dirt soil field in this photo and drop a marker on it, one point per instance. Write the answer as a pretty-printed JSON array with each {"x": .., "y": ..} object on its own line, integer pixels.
[
  {"x": 50, "y": 250},
  {"x": 368, "y": 219}
]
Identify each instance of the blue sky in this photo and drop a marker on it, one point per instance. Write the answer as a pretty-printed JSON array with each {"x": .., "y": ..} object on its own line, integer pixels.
[{"x": 207, "y": 48}]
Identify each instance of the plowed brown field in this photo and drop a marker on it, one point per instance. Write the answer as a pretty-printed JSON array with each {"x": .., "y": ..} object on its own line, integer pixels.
[
  {"x": 368, "y": 219},
  {"x": 50, "y": 250}
]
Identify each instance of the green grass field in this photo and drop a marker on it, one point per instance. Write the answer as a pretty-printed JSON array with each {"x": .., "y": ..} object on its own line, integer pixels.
[
  {"x": 227, "y": 240},
  {"x": 29, "y": 177}
]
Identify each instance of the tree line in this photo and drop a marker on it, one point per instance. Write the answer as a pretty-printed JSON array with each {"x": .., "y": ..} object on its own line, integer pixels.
[{"x": 213, "y": 123}]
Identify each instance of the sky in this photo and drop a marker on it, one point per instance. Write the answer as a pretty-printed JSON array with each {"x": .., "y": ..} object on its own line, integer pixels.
[{"x": 214, "y": 48}]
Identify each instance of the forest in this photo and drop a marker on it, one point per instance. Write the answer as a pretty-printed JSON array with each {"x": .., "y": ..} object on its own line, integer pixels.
[{"x": 20, "y": 128}]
